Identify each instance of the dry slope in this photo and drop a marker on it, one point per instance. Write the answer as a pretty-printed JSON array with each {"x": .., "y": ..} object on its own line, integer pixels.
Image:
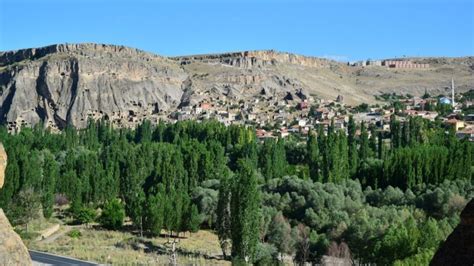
[{"x": 67, "y": 83}]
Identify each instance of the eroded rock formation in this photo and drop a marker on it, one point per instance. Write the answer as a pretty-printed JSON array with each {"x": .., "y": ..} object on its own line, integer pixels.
[
  {"x": 70, "y": 83},
  {"x": 12, "y": 249},
  {"x": 458, "y": 249}
]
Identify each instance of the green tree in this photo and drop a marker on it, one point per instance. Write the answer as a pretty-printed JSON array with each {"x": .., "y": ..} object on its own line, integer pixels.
[
  {"x": 85, "y": 215},
  {"x": 223, "y": 224},
  {"x": 50, "y": 175},
  {"x": 245, "y": 212},
  {"x": 313, "y": 159},
  {"x": 193, "y": 220},
  {"x": 280, "y": 235},
  {"x": 154, "y": 211},
  {"x": 113, "y": 215},
  {"x": 352, "y": 143},
  {"x": 364, "y": 149},
  {"x": 25, "y": 208}
]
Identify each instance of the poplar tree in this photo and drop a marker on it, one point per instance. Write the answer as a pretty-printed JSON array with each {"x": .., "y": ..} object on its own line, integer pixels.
[
  {"x": 352, "y": 143},
  {"x": 50, "y": 175},
  {"x": 245, "y": 212},
  {"x": 313, "y": 157},
  {"x": 223, "y": 224},
  {"x": 363, "y": 142}
]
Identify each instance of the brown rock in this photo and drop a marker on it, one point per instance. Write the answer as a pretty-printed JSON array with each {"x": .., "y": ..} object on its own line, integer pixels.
[
  {"x": 458, "y": 249},
  {"x": 3, "y": 164},
  {"x": 12, "y": 249}
]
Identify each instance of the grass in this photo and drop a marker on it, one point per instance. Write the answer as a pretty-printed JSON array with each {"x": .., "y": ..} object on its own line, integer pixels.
[{"x": 125, "y": 248}]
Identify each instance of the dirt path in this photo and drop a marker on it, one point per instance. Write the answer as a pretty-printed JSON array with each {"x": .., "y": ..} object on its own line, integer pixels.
[{"x": 64, "y": 229}]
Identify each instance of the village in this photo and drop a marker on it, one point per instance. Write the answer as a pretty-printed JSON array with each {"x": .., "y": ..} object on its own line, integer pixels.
[{"x": 298, "y": 114}]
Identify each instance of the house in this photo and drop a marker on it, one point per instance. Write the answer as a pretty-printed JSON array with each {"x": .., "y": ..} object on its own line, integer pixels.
[
  {"x": 469, "y": 118},
  {"x": 283, "y": 132},
  {"x": 263, "y": 134},
  {"x": 205, "y": 106},
  {"x": 302, "y": 105},
  {"x": 466, "y": 133},
  {"x": 302, "y": 122},
  {"x": 445, "y": 100},
  {"x": 339, "y": 124},
  {"x": 456, "y": 124}
]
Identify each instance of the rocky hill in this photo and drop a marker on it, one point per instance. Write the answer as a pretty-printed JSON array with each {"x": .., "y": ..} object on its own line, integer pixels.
[{"x": 67, "y": 83}]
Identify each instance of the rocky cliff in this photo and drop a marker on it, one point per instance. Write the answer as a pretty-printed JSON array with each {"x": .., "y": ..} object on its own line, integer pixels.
[
  {"x": 458, "y": 249},
  {"x": 12, "y": 250},
  {"x": 64, "y": 84},
  {"x": 69, "y": 83}
]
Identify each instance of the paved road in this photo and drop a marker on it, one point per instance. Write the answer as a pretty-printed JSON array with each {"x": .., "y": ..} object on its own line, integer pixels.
[{"x": 42, "y": 258}]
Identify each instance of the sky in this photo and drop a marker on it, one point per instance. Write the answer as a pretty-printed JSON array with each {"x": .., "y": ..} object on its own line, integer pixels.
[{"x": 336, "y": 29}]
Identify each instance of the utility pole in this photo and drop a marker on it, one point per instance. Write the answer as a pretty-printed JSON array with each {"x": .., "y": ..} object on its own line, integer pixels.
[{"x": 452, "y": 92}]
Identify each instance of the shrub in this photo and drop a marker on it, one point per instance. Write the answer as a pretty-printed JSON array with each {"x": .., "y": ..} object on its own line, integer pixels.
[
  {"x": 61, "y": 200},
  {"x": 74, "y": 233},
  {"x": 112, "y": 215},
  {"x": 85, "y": 215}
]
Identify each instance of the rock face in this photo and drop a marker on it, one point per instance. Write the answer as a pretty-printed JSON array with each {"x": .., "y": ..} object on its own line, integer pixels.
[
  {"x": 3, "y": 164},
  {"x": 458, "y": 249},
  {"x": 12, "y": 249},
  {"x": 64, "y": 84},
  {"x": 69, "y": 83}
]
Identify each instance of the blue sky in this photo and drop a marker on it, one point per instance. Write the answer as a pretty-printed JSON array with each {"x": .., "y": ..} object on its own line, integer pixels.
[{"x": 345, "y": 30}]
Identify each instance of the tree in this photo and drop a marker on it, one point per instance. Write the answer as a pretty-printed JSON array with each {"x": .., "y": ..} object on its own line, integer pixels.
[
  {"x": 223, "y": 224},
  {"x": 85, "y": 215},
  {"x": 351, "y": 142},
  {"x": 364, "y": 150},
  {"x": 48, "y": 184},
  {"x": 192, "y": 221},
  {"x": 313, "y": 157},
  {"x": 25, "y": 208},
  {"x": 302, "y": 244},
  {"x": 245, "y": 214},
  {"x": 154, "y": 211},
  {"x": 280, "y": 235},
  {"x": 12, "y": 183},
  {"x": 113, "y": 214}
]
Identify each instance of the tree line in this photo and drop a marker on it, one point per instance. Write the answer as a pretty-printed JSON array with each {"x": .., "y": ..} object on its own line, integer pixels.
[{"x": 180, "y": 177}]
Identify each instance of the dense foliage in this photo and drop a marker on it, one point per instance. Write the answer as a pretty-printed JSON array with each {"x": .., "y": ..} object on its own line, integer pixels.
[{"x": 373, "y": 196}]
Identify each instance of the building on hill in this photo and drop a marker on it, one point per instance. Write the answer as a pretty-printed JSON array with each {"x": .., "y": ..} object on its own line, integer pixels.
[
  {"x": 455, "y": 123},
  {"x": 404, "y": 64}
]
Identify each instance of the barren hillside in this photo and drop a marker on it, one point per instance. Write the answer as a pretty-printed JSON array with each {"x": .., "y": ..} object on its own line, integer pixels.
[{"x": 67, "y": 83}]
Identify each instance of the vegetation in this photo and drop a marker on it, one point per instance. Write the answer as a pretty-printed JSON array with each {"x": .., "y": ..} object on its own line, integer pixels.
[
  {"x": 377, "y": 198},
  {"x": 113, "y": 215}
]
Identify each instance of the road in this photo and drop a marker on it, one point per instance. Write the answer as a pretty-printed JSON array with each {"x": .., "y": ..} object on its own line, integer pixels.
[{"x": 42, "y": 258}]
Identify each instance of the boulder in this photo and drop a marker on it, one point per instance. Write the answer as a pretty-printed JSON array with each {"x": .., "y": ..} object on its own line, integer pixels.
[{"x": 12, "y": 249}]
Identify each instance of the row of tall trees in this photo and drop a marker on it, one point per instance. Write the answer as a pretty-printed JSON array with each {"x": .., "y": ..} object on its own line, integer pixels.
[
  {"x": 163, "y": 175},
  {"x": 415, "y": 153}
]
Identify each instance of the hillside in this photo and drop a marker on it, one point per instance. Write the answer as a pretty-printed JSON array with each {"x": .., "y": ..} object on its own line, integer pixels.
[{"x": 67, "y": 83}]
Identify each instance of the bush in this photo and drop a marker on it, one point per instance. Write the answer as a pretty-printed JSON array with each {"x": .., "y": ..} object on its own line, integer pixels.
[
  {"x": 85, "y": 215},
  {"x": 61, "y": 200},
  {"x": 112, "y": 215},
  {"x": 74, "y": 233}
]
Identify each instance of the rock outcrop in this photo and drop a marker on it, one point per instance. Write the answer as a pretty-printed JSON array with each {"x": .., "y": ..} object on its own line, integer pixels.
[
  {"x": 3, "y": 165},
  {"x": 458, "y": 249},
  {"x": 70, "y": 83},
  {"x": 12, "y": 249},
  {"x": 67, "y": 84}
]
